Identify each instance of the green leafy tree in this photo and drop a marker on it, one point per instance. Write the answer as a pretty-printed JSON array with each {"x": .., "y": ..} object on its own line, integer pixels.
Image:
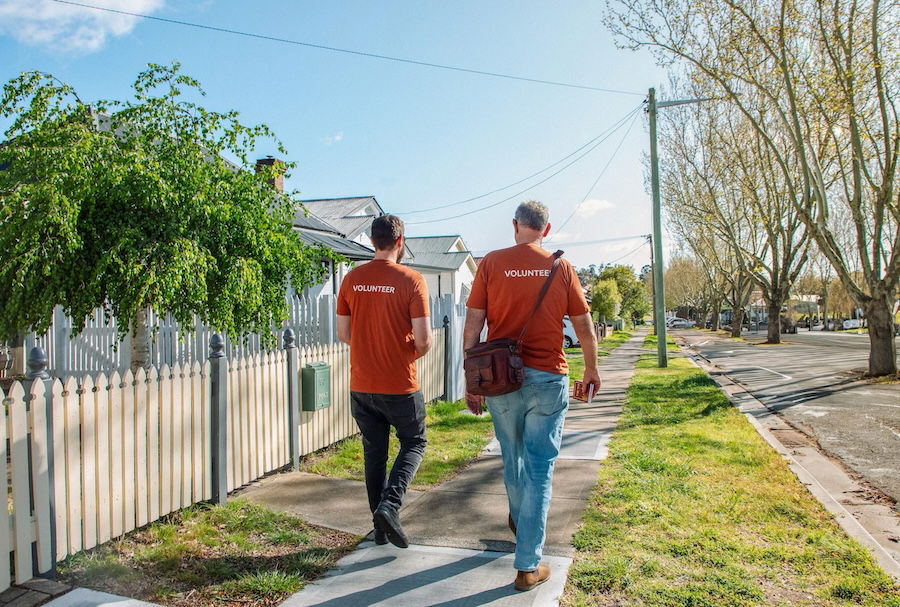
[
  {"x": 131, "y": 205},
  {"x": 605, "y": 299},
  {"x": 632, "y": 292},
  {"x": 819, "y": 82}
]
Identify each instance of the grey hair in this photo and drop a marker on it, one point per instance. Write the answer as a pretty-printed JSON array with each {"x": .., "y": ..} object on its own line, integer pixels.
[{"x": 532, "y": 214}]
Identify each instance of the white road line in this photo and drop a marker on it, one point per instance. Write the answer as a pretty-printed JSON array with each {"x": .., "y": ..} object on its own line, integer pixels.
[
  {"x": 775, "y": 372},
  {"x": 703, "y": 343}
]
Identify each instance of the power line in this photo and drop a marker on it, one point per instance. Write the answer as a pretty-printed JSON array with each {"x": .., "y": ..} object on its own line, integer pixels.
[
  {"x": 600, "y": 176},
  {"x": 581, "y": 243},
  {"x": 335, "y": 49},
  {"x": 635, "y": 250},
  {"x": 524, "y": 179},
  {"x": 531, "y": 187}
]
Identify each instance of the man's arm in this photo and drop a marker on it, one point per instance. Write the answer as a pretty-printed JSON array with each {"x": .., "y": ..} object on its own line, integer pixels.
[
  {"x": 471, "y": 335},
  {"x": 584, "y": 329},
  {"x": 473, "y": 327},
  {"x": 422, "y": 334},
  {"x": 343, "y": 328}
]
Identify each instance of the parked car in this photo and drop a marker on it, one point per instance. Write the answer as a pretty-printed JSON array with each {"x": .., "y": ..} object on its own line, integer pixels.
[
  {"x": 570, "y": 340},
  {"x": 788, "y": 324},
  {"x": 681, "y": 323}
]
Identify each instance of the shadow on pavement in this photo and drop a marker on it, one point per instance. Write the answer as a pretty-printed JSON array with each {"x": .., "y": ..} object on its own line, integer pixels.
[{"x": 401, "y": 585}]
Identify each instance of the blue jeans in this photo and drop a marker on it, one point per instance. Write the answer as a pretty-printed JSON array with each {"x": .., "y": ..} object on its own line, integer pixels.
[{"x": 528, "y": 424}]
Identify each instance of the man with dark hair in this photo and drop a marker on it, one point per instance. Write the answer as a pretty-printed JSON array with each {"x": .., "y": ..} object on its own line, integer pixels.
[
  {"x": 529, "y": 422},
  {"x": 382, "y": 312}
]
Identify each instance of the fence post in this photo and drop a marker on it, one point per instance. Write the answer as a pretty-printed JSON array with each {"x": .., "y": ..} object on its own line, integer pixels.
[
  {"x": 446, "y": 395},
  {"x": 326, "y": 319},
  {"x": 293, "y": 397},
  {"x": 60, "y": 343},
  {"x": 218, "y": 418},
  {"x": 37, "y": 371}
]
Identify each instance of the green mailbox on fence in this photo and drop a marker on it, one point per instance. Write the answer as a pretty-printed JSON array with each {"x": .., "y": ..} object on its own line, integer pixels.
[{"x": 316, "y": 378}]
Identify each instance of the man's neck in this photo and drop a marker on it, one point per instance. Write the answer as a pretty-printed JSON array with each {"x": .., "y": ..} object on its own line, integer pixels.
[
  {"x": 387, "y": 255},
  {"x": 535, "y": 240}
]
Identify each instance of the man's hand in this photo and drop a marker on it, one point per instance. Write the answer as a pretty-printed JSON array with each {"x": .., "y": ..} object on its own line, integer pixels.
[
  {"x": 475, "y": 403},
  {"x": 591, "y": 377}
]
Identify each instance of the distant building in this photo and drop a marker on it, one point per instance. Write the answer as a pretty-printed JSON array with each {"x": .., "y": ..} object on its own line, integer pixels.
[{"x": 446, "y": 263}]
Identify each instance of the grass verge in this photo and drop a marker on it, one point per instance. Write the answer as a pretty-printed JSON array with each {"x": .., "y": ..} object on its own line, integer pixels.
[
  {"x": 454, "y": 439},
  {"x": 236, "y": 554},
  {"x": 650, "y": 343},
  {"x": 604, "y": 349},
  {"x": 694, "y": 509}
]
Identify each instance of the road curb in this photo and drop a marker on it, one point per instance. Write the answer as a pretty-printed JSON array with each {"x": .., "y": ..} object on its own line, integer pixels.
[{"x": 871, "y": 524}]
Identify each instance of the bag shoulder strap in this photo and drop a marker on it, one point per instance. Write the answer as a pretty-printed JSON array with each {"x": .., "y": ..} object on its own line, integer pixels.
[{"x": 543, "y": 292}]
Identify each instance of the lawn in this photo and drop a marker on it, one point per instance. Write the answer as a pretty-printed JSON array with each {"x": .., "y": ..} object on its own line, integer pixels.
[
  {"x": 694, "y": 509},
  {"x": 650, "y": 343},
  {"x": 237, "y": 554},
  {"x": 575, "y": 356},
  {"x": 454, "y": 439}
]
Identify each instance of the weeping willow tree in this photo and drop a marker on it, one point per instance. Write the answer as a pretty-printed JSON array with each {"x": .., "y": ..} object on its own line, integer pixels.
[{"x": 131, "y": 204}]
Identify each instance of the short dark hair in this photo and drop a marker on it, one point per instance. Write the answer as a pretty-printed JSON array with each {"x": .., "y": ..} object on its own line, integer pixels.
[{"x": 385, "y": 231}]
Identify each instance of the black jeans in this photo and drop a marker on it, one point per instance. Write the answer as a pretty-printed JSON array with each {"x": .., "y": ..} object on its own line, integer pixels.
[{"x": 375, "y": 414}]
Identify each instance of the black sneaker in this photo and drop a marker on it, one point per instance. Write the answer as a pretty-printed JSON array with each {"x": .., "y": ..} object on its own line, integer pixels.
[
  {"x": 380, "y": 536},
  {"x": 388, "y": 520}
]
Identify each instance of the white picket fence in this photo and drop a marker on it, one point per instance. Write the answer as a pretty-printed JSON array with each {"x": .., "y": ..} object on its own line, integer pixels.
[
  {"x": 97, "y": 348},
  {"x": 115, "y": 453}
]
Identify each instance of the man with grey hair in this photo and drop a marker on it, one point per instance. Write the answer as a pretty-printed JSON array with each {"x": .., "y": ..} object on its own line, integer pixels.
[{"x": 529, "y": 422}]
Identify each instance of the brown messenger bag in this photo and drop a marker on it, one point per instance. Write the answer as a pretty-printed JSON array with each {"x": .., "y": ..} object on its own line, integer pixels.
[{"x": 495, "y": 367}]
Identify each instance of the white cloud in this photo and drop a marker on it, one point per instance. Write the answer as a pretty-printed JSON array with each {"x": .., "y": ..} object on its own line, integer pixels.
[
  {"x": 591, "y": 207},
  {"x": 332, "y": 139},
  {"x": 562, "y": 236},
  {"x": 68, "y": 28}
]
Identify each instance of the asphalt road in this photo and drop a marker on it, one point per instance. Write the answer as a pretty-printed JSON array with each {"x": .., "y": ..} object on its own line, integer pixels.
[{"x": 810, "y": 381}]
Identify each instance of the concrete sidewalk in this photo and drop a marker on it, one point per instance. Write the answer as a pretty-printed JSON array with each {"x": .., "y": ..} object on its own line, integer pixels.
[{"x": 461, "y": 543}]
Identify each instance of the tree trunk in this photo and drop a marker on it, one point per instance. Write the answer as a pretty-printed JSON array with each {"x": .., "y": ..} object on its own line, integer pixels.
[
  {"x": 774, "y": 332},
  {"x": 140, "y": 341},
  {"x": 882, "y": 348},
  {"x": 737, "y": 321},
  {"x": 18, "y": 355},
  {"x": 716, "y": 311}
]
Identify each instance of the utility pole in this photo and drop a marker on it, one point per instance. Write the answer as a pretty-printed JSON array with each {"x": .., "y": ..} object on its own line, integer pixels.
[{"x": 659, "y": 298}]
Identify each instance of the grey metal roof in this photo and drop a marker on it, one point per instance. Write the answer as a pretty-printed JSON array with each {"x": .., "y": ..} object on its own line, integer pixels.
[
  {"x": 438, "y": 261},
  {"x": 432, "y": 244},
  {"x": 343, "y": 213},
  {"x": 434, "y": 252},
  {"x": 302, "y": 220},
  {"x": 348, "y": 248}
]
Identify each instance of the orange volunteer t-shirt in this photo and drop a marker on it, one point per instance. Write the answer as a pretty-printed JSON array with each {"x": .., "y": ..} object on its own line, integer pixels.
[
  {"x": 506, "y": 286},
  {"x": 381, "y": 298}
]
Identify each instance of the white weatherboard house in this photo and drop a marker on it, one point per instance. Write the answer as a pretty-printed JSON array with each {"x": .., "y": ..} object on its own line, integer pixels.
[{"x": 446, "y": 263}]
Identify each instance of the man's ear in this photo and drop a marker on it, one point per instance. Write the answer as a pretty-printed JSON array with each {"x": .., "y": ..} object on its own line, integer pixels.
[
  {"x": 399, "y": 242},
  {"x": 515, "y": 226},
  {"x": 546, "y": 231}
]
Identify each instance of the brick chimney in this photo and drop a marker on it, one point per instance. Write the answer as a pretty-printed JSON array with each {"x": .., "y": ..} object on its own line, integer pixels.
[{"x": 277, "y": 182}]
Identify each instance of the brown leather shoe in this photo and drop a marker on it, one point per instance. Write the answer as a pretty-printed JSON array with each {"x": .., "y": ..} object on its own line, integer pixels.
[
  {"x": 526, "y": 580},
  {"x": 512, "y": 525}
]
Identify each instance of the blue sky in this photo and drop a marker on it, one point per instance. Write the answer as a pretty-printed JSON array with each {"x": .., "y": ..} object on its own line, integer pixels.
[{"x": 413, "y": 137}]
